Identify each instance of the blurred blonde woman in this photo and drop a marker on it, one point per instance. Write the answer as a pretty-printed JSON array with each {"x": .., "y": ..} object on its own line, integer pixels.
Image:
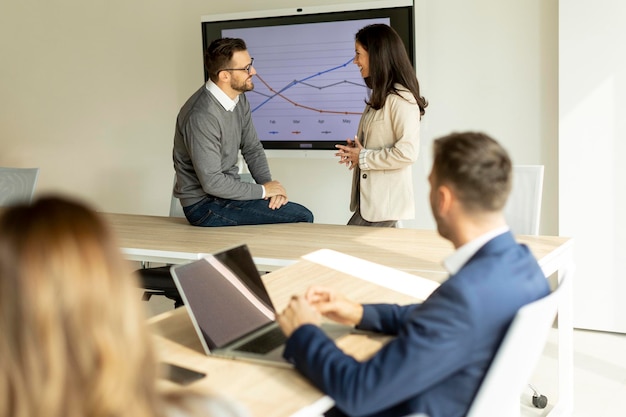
[{"x": 73, "y": 337}]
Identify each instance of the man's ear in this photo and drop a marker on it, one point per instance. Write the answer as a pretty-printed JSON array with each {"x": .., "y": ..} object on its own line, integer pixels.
[
  {"x": 444, "y": 200},
  {"x": 223, "y": 76}
]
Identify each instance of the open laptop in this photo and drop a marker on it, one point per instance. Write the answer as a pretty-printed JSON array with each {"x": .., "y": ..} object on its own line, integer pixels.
[{"x": 231, "y": 310}]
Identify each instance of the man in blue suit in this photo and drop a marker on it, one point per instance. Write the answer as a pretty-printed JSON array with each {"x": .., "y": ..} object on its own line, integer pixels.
[{"x": 443, "y": 346}]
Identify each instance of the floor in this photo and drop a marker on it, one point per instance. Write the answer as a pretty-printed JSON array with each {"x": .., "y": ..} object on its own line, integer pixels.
[
  {"x": 599, "y": 372},
  {"x": 599, "y": 375}
]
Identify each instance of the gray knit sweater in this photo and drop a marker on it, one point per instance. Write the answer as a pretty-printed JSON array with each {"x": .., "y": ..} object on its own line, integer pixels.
[{"x": 206, "y": 145}]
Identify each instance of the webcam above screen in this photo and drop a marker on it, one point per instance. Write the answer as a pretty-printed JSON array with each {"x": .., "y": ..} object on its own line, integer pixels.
[{"x": 307, "y": 93}]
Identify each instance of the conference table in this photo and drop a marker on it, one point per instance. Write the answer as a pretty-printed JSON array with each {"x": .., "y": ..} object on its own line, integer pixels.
[
  {"x": 369, "y": 264},
  {"x": 173, "y": 240}
]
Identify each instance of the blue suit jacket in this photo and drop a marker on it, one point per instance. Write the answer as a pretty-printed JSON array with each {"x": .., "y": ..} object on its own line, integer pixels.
[{"x": 443, "y": 346}]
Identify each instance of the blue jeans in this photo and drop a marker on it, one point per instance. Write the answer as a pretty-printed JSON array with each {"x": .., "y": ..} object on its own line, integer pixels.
[{"x": 213, "y": 211}]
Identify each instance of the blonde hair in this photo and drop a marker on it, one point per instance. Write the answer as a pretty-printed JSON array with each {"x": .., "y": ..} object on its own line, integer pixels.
[{"x": 73, "y": 338}]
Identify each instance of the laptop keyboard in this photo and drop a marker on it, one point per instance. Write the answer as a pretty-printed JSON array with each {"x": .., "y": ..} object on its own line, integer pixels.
[{"x": 265, "y": 342}]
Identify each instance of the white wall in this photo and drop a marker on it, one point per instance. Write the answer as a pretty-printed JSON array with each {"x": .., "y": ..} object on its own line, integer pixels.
[
  {"x": 89, "y": 92},
  {"x": 492, "y": 65},
  {"x": 592, "y": 145}
]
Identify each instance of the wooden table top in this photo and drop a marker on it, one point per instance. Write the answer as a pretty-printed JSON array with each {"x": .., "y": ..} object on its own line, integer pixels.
[
  {"x": 269, "y": 391},
  {"x": 409, "y": 250}
]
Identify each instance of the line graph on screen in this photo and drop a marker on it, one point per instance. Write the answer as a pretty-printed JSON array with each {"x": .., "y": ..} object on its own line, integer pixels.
[
  {"x": 306, "y": 87},
  {"x": 281, "y": 93}
]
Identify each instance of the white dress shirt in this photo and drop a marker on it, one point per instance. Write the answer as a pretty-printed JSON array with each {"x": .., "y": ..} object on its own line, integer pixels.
[{"x": 459, "y": 258}]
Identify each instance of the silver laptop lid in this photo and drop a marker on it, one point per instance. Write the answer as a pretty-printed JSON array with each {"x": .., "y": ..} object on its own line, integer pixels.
[{"x": 225, "y": 296}]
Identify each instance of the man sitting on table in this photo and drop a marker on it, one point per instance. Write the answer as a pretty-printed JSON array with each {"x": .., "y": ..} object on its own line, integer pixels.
[
  {"x": 443, "y": 347},
  {"x": 212, "y": 127}
]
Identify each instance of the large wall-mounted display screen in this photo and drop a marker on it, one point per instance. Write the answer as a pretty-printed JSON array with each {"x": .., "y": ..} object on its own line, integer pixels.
[{"x": 307, "y": 92}]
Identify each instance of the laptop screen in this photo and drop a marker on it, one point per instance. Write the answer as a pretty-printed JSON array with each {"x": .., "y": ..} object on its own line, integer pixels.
[
  {"x": 239, "y": 260},
  {"x": 226, "y": 303}
]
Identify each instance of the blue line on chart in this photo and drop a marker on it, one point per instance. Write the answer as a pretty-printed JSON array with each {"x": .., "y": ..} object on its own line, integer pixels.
[{"x": 291, "y": 84}]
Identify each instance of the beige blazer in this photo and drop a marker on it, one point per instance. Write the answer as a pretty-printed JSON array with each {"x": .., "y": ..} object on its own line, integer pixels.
[{"x": 383, "y": 179}]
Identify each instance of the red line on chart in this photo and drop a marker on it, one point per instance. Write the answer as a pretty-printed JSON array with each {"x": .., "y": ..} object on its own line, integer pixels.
[{"x": 300, "y": 105}]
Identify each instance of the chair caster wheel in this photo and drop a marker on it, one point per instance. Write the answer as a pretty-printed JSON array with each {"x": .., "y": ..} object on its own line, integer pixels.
[{"x": 540, "y": 401}]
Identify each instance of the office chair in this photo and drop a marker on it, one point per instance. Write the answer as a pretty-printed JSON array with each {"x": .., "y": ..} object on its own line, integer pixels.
[
  {"x": 523, "y": 208},
  {"x": 516, "y": 357},
  {"x": 523, "y": 215},
  {"x": 158, "y": 280},
  {"x": 17, "y": 185}
]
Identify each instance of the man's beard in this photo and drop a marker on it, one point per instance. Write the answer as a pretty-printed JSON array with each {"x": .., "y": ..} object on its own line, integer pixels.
[{"x": 242, "y": 87}]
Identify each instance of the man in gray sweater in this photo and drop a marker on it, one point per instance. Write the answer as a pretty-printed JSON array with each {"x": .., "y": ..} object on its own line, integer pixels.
[{"x": 212, "y": 126}]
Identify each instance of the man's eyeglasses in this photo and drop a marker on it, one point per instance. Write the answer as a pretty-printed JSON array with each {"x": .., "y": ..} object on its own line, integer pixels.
[{"x": 247, "y": 68}]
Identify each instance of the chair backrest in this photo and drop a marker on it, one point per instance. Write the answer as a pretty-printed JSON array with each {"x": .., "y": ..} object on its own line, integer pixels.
[
  {"x": 17, "y": 185},
  {"x": 176, "y": 209},
  {"x": 523, "y": 209},
  {"x": 516, "y": 358}
]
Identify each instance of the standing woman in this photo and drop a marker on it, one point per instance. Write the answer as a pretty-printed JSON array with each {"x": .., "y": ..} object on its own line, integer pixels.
[
  {"x": 75, "y": 342},
  {"x": 387, "y": 140}
]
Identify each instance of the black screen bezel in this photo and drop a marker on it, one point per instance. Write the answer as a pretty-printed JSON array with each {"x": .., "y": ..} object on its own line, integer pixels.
[{"x": 401, "y": 19}]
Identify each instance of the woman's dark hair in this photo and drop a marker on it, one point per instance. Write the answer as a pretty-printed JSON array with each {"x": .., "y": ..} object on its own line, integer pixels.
[{"x": 389, "y": 64}]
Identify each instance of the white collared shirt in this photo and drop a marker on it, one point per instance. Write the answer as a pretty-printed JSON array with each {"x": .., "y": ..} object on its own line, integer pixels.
[
  {"x": 459, "y": 258},
  {"x": 222, "y": 98}
]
